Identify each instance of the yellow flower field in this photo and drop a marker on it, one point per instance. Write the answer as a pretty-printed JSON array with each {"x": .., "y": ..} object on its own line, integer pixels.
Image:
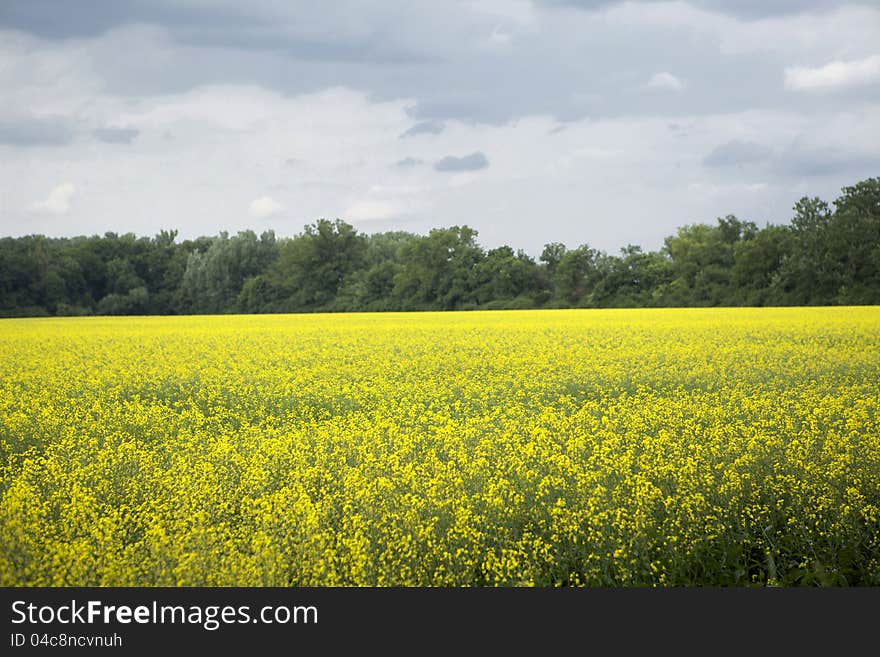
[{"x": 512, "y": 448}]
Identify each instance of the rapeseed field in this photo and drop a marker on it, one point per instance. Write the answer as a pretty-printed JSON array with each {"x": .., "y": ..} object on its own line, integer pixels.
[{"x": 511, "y": 448}]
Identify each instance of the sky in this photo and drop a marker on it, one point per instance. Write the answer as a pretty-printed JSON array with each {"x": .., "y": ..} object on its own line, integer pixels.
[{"x": 532, "y": 121}]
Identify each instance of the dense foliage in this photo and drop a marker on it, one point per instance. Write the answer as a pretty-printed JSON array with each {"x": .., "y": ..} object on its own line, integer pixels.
[{"x": 824, "y": 256}]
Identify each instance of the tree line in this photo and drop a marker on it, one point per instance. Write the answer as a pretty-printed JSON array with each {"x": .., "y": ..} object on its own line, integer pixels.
[{"x": 824, "y": 256}]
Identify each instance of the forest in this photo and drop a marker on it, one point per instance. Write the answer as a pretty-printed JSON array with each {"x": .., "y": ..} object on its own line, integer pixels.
[{"x": 824, "y": 255}]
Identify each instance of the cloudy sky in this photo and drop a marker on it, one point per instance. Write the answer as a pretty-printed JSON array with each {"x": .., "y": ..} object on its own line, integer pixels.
[{"x": 578, "y": 121}]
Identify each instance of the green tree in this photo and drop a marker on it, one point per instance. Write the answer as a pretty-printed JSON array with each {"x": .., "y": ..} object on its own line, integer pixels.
[
  {"x": 631, "y": 279},
  {"x": 854, "y": 243},
  {"x": 702, "y": 258},
  {"x": 808, "y": 275},
  {"x": 213, "y": 279},
  {"x": 757, "y": 266},
  {"x": 575, "y": 274},
  {"x": 505, "y": 278},
  {"x": 312, "y": 267},
  {"x": 438, "y": 270},
  {"x": 825, "y": 256}
]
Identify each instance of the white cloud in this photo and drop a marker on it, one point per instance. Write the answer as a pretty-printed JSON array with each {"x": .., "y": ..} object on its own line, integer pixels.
[
  {"x": 58, "y": 201},
  {"x": 835, "y": 75},
  {"x": 665, "y": 81},
  {"x": 264, "y": 207},
  {"x": 367, "y": 210}
]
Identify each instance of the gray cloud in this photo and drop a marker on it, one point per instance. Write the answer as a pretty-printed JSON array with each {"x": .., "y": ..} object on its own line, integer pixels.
[
  {"x": 756, "y": 9},
  {"x": 817, "y": 162},
  {"x": 266, "y": 24},
  {"x": 446, "y": 61},
  {"x": 747, "y": 9},
  {"x": 46, "y": 18},
  {"x": 736, "y": 152},
  {"x": 295, "y": 29},
  {"x": 408, "y": 163},
  {"x": 36, "y": 132},
  {"x": 472, "y": 162},
  {"x": 423, "y": 128},
  {"x": 116, "y": 135}
]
